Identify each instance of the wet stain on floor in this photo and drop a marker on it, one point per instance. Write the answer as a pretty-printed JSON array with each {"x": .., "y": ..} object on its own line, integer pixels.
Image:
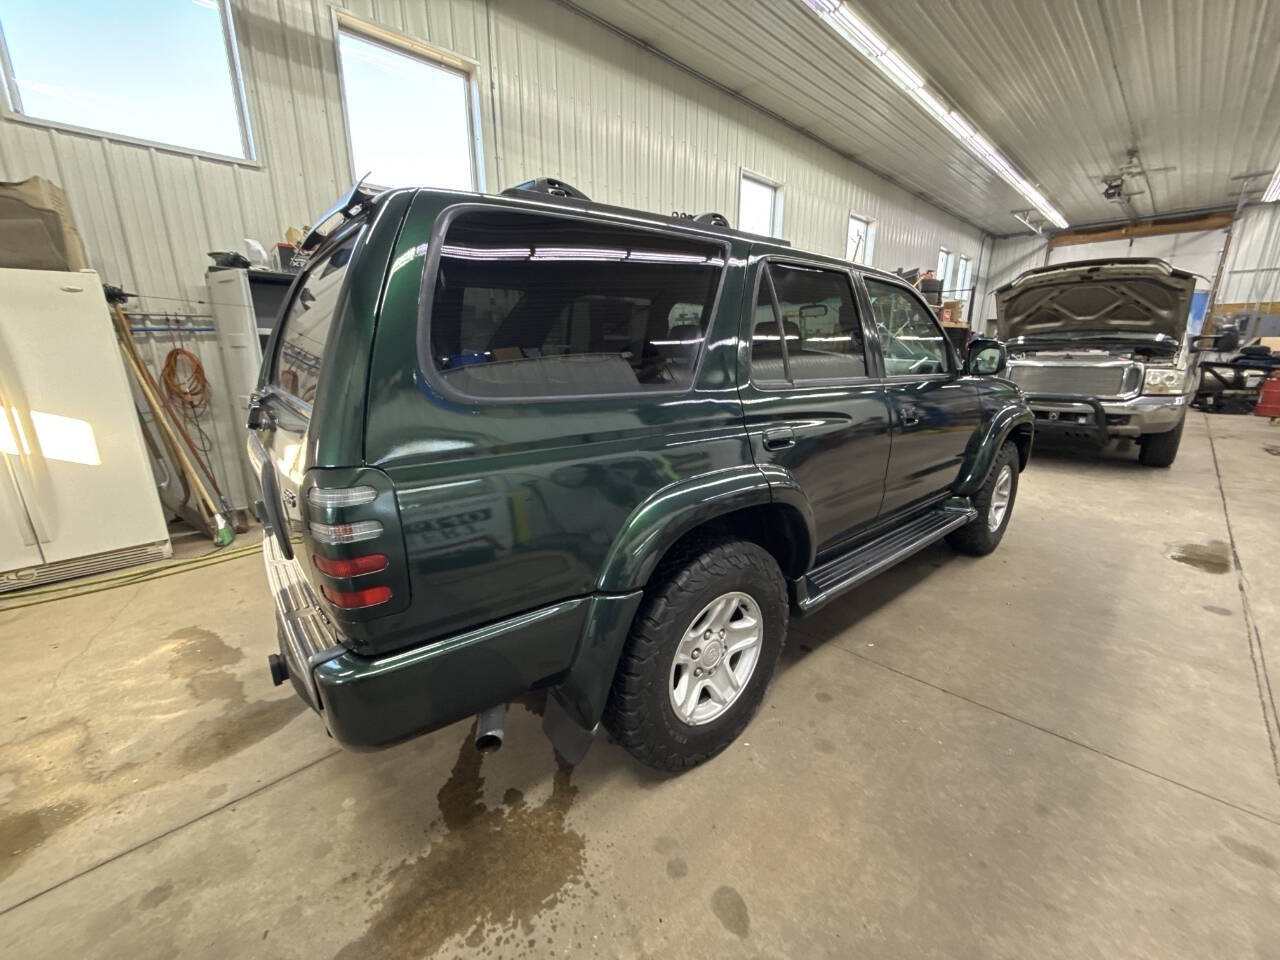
[
  {"x": 21, "y": 833},
  {"x": 1211, "y": 557},
  {"x": 1248, "y": 851},
  {"x": 487, "y": 879},
  {"x": 60, "y": 774},
  {"x": 731, "y": 910},
  {"x": 216, "y": 739}
]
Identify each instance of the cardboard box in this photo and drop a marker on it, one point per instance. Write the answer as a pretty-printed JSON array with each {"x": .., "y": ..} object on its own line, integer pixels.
[
  {"x": 36, "y": 228},
  {"x": 951, "y": 313}
]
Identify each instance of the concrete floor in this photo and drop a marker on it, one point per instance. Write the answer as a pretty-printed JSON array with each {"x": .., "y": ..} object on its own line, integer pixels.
[{"x": 1065, "y": 749}]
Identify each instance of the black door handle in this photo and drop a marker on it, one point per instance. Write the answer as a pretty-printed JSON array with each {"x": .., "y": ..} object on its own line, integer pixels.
[{"x": 779, "y": 438}]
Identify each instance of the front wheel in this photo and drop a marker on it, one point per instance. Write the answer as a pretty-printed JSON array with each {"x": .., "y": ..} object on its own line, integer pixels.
[
  {"x": 1161, "y": 449},
  {"x": 701, "y": 653},
  {"x": 994, "y": 503}
]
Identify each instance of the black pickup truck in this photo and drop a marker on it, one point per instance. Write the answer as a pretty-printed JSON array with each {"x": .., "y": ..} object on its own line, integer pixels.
[{"x": 530, "y": 442}]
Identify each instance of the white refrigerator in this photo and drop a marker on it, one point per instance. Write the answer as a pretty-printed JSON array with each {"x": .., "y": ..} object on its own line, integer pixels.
[{"x": 77, "y": 492}]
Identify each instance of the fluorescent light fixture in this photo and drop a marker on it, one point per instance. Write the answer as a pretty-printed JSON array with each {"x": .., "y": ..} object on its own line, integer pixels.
[
  {"x": 891, "y": 63},
  {"x": 899, "y": 71},
  {"x": 1272, "y": 193}
]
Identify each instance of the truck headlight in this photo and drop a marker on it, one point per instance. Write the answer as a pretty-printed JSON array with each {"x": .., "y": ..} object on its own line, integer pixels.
[{"x": 1164, "y": 380}]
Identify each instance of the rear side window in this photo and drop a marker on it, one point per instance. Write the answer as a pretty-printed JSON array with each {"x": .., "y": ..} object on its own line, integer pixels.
[
  {"x": 912, "y": 341},
  {"x": 526, "y": 305},
  {"x": 820, "y": 337},
  {"x": 309, "y": 323}
]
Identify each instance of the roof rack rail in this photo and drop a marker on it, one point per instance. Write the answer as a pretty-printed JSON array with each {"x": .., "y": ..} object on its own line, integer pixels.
[
  {"x": 349, "y": 206},
  {"x": 547, "y": 185},
  {"x": 560, "y": 192}
]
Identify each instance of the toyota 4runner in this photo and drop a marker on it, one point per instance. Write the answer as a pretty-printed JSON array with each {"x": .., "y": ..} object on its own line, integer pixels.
[{"x": 523, "y": 442}]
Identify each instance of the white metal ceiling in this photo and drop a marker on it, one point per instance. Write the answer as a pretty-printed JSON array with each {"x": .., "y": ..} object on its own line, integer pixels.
[{"x": 1063, "y": 87}]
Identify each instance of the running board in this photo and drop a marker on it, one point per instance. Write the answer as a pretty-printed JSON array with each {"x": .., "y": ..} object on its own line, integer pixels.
[{"x": 862, "y": 563}]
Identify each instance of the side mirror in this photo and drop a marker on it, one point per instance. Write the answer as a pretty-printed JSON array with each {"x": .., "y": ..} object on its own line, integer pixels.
[
  {"x": 1227, "y": 340},
  {"x": 986, "y": 358}
]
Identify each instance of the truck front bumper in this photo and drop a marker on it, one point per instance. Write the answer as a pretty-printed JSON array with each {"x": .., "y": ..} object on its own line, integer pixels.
[
  {"x": 371, "y": 702},
  {"x": 1102, "y": 420}
]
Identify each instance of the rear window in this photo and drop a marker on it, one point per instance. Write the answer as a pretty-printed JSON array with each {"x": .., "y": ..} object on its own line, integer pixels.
[
  {"x": 309, "y": 323},
  {"x": 528, "y": 305}
]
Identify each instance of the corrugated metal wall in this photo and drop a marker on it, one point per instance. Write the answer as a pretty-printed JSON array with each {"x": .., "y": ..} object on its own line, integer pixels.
[
  {"x": 1003, "y": 260},
  {"x": 1251, "y": 273},
  {"x": 559, "y": 95}
]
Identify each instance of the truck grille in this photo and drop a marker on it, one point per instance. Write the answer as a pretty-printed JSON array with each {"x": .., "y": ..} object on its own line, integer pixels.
[{"x": 1076, "y": 380}]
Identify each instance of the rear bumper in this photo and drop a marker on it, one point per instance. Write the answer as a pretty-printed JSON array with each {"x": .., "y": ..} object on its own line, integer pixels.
[
  {"x": 1102, "y": 420},
  {"x": 372, "y": 702}
]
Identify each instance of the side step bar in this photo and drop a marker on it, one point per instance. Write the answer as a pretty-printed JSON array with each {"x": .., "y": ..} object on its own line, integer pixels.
[{"x": 846, "y": 571}]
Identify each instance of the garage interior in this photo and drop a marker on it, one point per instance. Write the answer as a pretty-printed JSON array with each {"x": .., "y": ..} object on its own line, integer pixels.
[{"x": 1069, "y": 748}]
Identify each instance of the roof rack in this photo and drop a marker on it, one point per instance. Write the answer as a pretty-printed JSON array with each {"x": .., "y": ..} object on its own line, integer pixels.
[
  {"x": 352, "y": 205},
  {"x": 557, "y": 190},
  {"x": 549, "y": 186}
]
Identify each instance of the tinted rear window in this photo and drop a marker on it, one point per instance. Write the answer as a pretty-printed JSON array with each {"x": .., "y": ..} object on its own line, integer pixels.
[
  {"x": 527, "y": 305},
  {"x": 309, "y": 323}
]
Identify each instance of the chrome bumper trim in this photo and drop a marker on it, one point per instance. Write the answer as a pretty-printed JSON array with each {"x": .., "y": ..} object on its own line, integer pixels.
[{"x": 307, "y": 635}]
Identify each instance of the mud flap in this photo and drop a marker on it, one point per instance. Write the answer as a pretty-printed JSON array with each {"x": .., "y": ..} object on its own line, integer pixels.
[{"x": 570, "y": 738}]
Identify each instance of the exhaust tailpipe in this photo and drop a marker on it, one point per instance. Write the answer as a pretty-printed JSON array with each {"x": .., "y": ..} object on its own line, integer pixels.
[{"x": 489, "y": 726}]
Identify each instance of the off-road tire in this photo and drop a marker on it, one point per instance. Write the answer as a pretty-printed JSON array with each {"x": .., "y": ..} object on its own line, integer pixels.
[
  {"x": 1161, "y": 449},
  {"x": 639, "y": 714},
  {"x": 977, "y": 538}
]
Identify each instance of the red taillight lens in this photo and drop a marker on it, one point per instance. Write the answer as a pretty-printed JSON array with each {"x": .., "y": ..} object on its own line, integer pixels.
[
  {"x": 351, "y": 566},
  {"x": 355, "y": 599}
]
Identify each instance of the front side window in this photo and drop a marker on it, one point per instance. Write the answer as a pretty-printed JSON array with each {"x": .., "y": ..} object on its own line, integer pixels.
[
  {"x": 910, "y": 338},
  {"x": 540, "y": 306},
  {"x": 309, "y": 323},
  {"x": 408, "y": 116},
  {"x": 152, "y": 70},
  {"x": 816, "y": 335}
]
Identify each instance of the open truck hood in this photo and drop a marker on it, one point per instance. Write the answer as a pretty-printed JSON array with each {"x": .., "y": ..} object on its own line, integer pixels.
[{"x": 1113, "y": 299}]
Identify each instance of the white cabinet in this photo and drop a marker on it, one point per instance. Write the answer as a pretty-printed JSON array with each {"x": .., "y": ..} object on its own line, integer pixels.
[{"x": 77, "y": 493}]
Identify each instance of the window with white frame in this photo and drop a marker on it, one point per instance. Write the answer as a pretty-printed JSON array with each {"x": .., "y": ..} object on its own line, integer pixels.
[
  {"x": 759, "y": 207},
  {"x": 157, "y": 71},
  {"x": 409, "y": 115},
  {"x": 860, "y": 243},
  {"x": 946, "y": 263}
]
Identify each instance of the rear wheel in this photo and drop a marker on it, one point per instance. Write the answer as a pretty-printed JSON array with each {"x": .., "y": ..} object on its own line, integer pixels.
[
  {"x": 994, "y": 503},
  {"x": 700, "y": 656},
  {"x": 1161, "y": 449}
]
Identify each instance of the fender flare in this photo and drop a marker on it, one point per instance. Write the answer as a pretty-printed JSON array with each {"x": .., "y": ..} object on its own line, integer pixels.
[
  {"x": 663, "y": 518},
  {"x": 650, "y": 531},
  {"x": 997, "y": 432}
]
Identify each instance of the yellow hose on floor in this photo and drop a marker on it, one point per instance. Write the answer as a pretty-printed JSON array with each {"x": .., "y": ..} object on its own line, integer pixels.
[{"x": 123, "y": 578}]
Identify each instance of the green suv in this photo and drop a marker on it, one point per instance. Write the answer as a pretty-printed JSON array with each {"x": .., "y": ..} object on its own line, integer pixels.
[{"x": 530, "y": 442}]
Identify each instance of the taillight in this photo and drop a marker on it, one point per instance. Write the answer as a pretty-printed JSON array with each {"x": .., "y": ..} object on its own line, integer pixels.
[
  {"x": 351, "y": 566},
  {"x": 355, "y": 599},
  {"x": 341, "y": 496},
  {"x": 335, "y": 534}
]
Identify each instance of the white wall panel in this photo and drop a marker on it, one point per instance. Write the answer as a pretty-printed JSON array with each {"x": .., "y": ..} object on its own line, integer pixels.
[
  {"x": 1197, "y": 252},
  {"x": 1251, "y": 274},
  {"x": 1003, "y": 260},
  {"x": 560, "y": 95}
]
